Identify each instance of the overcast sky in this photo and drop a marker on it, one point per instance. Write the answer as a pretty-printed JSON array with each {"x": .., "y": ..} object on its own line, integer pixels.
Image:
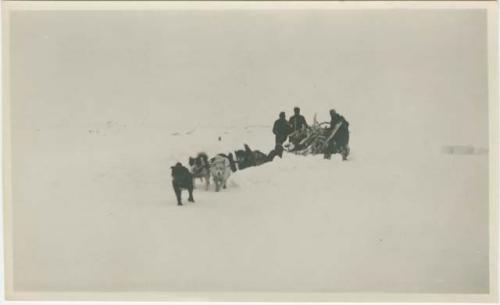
[{"x": 419, "y": 71}]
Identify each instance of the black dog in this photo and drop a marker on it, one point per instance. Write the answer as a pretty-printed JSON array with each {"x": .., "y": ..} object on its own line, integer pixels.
[
  {"x": 182, "y": 179},
  {"x": 248, "y": 157}
]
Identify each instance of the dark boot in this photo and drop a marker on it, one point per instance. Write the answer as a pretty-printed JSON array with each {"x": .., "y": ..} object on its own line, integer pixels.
[
  {"x": 345, "y": 153},
  {"x": 279, "y": 150}
]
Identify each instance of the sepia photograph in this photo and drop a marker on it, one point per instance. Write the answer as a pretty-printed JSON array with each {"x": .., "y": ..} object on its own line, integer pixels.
[{"x": 250, "y": 151}]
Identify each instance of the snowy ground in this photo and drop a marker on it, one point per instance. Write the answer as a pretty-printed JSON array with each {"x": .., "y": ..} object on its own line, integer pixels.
[
  {"x": 100, "y": 214},
  {"x": 102, "y": 103}
]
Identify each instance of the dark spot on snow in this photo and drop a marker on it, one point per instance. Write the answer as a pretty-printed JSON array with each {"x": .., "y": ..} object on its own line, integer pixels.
[{"x": 463, "y": 150}]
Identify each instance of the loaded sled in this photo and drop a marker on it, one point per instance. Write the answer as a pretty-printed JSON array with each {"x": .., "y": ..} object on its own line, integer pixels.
[{"x": 314, "y": 140}]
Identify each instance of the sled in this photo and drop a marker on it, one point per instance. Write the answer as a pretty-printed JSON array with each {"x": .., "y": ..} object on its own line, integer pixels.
[{"x": 315, "y": 140}]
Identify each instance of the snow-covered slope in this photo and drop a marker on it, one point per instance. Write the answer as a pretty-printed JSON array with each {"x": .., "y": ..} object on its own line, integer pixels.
[{"x": 395, "y": 218}]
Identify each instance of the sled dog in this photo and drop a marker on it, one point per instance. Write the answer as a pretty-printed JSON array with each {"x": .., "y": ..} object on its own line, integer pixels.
[
  {"x": 200, "y": 168},
  {"x": 182, "y": 179},
  {"x": 220, "y": 169}
]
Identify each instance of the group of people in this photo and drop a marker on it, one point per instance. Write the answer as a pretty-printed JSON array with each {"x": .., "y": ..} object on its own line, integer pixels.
[{"x": 295, "y": 129}]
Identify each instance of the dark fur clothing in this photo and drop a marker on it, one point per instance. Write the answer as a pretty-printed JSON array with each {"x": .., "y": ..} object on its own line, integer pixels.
[
  {"x": 281, "y": 129},
  {"x": 339, "y": 143},
  {"x": 298, "y": 122},
  {"x": 341, "y": 137}
]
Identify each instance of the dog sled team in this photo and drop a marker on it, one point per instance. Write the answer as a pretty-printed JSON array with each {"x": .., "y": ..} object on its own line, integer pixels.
[
  {"x": 320, "y": 138},
  {"x": 217, "y": 168}
]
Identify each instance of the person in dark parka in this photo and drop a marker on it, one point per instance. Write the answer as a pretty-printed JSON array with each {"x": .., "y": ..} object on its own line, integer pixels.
[
  {"x": 339, "y": 143},
  {"x": 281, "y": 129},
  {"x": 297, "y": 121},
  {"x": 299, "y": 125}
]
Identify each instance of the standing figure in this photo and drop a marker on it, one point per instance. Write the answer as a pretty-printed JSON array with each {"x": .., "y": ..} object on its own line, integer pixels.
[
  {"x": 281, "y": 129},
  {"x": 299, "y": 125},
  {"x": 298, "y": 121},
  {"x": 338, "y": 139}
]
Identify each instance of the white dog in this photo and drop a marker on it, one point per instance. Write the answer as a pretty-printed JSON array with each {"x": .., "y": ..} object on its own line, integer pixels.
[{"x": 220, "y": 169}]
